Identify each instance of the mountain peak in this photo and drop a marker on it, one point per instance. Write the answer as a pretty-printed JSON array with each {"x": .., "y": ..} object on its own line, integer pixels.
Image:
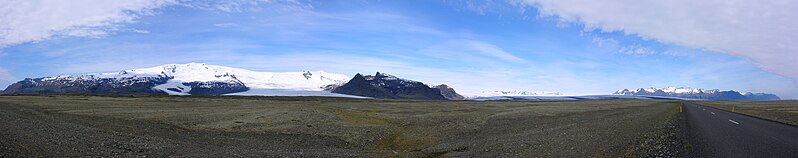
[
  {"x": 448, "y": 92},
  {"x": 382, "y": 85},
  {"x": 384, "y": 75}
]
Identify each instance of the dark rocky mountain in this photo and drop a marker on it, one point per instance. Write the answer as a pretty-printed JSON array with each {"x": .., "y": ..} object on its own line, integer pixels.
[
  {"x": 142, "y": 85},
  {"x": 390, "y": 87},
  {"x": 694, "y": 93},
  {"x": 448, "y": 92},
  {"x": 87, "y": 84},
  {"x": 761, "y": 96}
]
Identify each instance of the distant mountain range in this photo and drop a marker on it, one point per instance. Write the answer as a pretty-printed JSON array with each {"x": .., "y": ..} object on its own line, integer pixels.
[
  {"x": 697, "y": 93},
  {"x": 204, "y": 79}
]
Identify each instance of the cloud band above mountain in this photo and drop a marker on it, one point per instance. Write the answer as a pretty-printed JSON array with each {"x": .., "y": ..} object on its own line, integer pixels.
[{"x": 765, "y": 33}]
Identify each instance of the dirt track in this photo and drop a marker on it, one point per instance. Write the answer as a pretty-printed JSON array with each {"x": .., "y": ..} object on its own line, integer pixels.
[{"x": 74, "y": 126}]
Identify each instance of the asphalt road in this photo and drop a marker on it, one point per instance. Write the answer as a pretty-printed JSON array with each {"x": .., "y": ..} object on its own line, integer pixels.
[{"x": 717, "y": 133}]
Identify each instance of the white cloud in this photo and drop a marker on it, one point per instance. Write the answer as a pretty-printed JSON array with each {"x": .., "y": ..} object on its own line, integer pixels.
[
  {"x": 606, "y": 42},
  {"x": 764, "y": 32},
  {"x": 636, "y": 50},
  {"x": 141, "y": 31},
  {"x": 36, "y": 20},
  {"x": 224, "y": 25}
]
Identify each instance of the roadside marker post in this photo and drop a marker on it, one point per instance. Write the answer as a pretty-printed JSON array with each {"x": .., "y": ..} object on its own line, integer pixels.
[
  {"x": 680, "y": 106},
  {"x": 732, "y": 108}
]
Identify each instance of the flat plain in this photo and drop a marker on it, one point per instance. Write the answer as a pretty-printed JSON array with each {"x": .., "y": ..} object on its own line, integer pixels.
[{"x": 168, "y": 126}]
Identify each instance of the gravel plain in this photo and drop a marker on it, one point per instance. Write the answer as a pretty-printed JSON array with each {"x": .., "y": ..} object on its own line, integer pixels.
[{"x": 164, "y": 126}]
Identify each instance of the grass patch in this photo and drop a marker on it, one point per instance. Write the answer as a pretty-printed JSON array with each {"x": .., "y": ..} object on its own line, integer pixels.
[
  {"x": 369, "y": 117},
  {"x": 404, "y": 140}
]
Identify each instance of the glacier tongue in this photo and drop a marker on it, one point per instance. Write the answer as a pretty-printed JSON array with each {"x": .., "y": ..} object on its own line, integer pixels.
[{"x": 174, "y": 88}]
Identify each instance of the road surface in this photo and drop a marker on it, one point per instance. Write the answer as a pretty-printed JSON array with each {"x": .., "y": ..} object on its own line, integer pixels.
[{"x": 718, "y": 133}]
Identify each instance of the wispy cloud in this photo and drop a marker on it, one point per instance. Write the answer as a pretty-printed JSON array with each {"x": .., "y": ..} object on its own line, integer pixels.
[
  {"x": 606, "y": 42},
  {"x": 636, "y": 50},
  {"x": 224, "y": 25},
  {"x": 763, "y": 32},
  {"x": 140, "y": 31},
  {"x": 36, "y": 20},
  {"x": 470, "y": 50}
]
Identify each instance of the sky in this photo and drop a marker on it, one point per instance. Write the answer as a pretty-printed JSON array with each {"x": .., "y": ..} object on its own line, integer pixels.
[{"x": 575, "y": 47}]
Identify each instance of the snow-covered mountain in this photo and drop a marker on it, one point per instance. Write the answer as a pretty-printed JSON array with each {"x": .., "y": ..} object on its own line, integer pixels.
[
  {"x": 697, "y": 93},
  {"x": 192, "y": 72},
  {"x": 675, "y": 90},
  {"x": 178, "y": 79}
]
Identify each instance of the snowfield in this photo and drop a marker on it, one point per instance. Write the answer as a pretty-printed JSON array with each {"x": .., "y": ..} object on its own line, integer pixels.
[
  {"x": 291, "y": 92},
  {"x": 191, "y": 72}
]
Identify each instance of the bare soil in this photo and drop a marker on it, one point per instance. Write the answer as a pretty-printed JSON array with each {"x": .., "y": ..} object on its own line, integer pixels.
[{"x": 153, "y": 126}]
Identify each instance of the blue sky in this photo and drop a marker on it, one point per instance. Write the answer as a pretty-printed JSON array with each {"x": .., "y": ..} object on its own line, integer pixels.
[{"x": 470, "y": 45}]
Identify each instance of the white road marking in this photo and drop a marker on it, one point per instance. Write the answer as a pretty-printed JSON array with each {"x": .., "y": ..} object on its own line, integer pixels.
[
  {"x": 713, "y": 113},
  {"x": 705, "y": 109},
  {"x": 734, "y": 122}
]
